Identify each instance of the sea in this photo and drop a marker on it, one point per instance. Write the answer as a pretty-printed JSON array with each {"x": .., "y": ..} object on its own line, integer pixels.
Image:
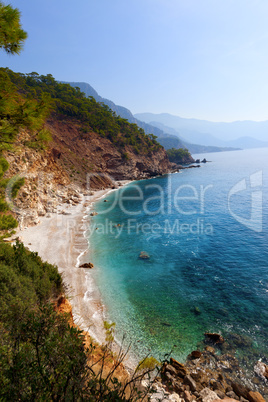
[{"x": 186, "y": 254}]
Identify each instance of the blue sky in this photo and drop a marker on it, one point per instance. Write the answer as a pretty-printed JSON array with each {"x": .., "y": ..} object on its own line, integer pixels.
[{"x": 206, "y": 59}]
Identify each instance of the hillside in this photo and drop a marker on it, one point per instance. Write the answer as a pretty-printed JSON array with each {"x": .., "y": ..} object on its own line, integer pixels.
[
  {"x": 80, "y": 141},
  {"x": 165, "y": 137}
]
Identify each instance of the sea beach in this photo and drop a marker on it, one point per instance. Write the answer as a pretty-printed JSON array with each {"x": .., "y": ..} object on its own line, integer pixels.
[{"x": 60, "y": 239}]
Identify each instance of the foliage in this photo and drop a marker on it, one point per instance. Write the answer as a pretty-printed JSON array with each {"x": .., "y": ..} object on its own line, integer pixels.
[
  {"x": 178, "y": 155},
  {"x": 148, "y": 363},
  {"x": 42, "y": 356},
  {"x": 3, "y": 166},
  {"x": 93, "y": 116},
  {"x": 7, "y": 221},
  {"x": 16, "y": 186},
  {"x": 109, "y": 327},
  {"x": 12, "y": 35},
  {"x": 17, "y": 111},
  {"x": 24, "y": 279}
]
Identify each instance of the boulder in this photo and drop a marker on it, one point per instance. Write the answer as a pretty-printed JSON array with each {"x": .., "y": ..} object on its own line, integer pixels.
[
  {"x": 171, "y": 369},
  {"x": 196, "y": 354},
  {"x": 187, "y": 396},
  {"x": 255, "y": 397},
  {"x": 261, "y": 369},
  {"x": 94, "y": 213},
  {"x": 188, "y": 380},
  {"x": 181, "y": 370},
  {"x": 208, "y": 396},
  {"x": 144, "y": 256},
  {"x": 86, "y": 265},
  {"x": 240, "y": 390},
  {"x": 214, "y": 338}
]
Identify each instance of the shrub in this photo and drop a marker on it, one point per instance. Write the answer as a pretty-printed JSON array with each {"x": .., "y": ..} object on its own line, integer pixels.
[{"x": 7, "y": 222}]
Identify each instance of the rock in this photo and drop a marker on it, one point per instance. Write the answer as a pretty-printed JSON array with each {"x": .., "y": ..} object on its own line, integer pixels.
[
  {"x": 197, "y": 161},
  {"x": 196, "y": 310},
  {"x": 255, "y": 397},
  {"x": 188, "y": 380},
  {"x": 171, "y": 369},
  {"x": 208, "y": 396},
  {"x": 261, "y": 369},
  {"x": 187, "y": 396},
  {"x": 181, "y": 370},
  {"x": 232, "y": 395},
  {"x": 210, "y": 350},
  {"x": 144, "y": 256},
  {"x": 213, "y": 337},
  {"x": 220, "y": 394},
  {"x": 86, "y": 265},
  {"x": 174, "y": 398},
  {"x": 196, "y": 354},
  {"x": 226, "y": 400},
  {"x": 204, "y": 160},
  {"x": 240, "y": 390}
]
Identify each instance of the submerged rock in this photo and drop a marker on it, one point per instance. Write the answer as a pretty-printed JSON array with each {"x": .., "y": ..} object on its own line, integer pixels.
[
  {"x": 214, "y": 338},
  {"x": 144, "y": 256}
]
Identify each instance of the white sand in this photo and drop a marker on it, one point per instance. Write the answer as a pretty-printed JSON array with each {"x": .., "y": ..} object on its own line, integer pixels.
[{"x": 59, "y": 239}]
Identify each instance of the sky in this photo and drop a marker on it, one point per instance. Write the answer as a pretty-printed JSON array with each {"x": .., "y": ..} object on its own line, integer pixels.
[{"x": 204, "y": 59}]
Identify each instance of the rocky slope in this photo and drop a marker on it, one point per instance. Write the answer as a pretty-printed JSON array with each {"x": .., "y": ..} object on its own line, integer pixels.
[{"x": 74, "y": 163}]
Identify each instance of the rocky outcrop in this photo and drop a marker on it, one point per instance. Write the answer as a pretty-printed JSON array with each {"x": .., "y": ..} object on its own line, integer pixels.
[
  {"x": 206, "y": 377},
  {"x": 92, "y": 154}
]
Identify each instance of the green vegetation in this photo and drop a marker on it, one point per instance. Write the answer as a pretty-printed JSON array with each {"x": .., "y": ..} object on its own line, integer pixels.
[
  {"x": 42, "y": 356},
  {"x": 71, "y": 102},
  {"x": 180, "y": 155},
  {"x": 16, "y": 186},
  {"x": 12, "y": 35}
]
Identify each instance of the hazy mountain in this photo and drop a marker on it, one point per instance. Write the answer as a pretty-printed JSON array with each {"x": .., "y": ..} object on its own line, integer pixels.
[
  {"x": 165, "y": 136},
  {"x": 243, "y": 134}
]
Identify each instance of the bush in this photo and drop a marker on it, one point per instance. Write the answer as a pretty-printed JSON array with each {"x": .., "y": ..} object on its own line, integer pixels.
[
  {"x": 7, "y": 222},
  {"x": 16, "y": 186}
]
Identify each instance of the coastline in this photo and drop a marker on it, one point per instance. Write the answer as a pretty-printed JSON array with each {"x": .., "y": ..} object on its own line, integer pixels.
[{"x": 60, "y": 239}]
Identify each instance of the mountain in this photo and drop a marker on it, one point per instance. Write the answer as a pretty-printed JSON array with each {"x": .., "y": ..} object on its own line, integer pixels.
[
  {"x": 166, "y": 138},
  {"x": 242, "y": 134}
]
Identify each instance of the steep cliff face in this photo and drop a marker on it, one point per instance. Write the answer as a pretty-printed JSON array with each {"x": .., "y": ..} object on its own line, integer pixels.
[
  {"x": 85, "y": 154},
  {"x": 74, "y": 164}
]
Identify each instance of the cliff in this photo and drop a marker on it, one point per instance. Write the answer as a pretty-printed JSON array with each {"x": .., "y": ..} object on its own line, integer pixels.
[{"x": 73, "y": 163}]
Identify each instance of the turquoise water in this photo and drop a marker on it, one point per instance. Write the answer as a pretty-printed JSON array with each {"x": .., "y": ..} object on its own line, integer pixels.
[{"x": 208, "y": 265}]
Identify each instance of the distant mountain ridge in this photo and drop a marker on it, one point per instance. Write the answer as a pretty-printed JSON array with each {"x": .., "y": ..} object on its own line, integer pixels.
[
  {"x": 242, "y": 134},
  {"x": 165, "y": 138}
]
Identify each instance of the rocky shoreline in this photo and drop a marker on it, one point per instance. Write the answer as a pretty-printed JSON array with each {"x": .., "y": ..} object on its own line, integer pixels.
[{"x": 207, "y": 376}]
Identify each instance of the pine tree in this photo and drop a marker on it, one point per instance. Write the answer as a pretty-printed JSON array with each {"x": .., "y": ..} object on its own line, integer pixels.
[{"x": 12, "y": 35}]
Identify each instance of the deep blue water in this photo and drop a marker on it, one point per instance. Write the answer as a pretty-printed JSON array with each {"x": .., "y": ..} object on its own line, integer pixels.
[{"x": 208, "y": 265}]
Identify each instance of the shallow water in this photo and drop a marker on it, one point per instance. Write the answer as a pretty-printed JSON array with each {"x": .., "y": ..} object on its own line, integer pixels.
[{"x": 206, "y": 233}]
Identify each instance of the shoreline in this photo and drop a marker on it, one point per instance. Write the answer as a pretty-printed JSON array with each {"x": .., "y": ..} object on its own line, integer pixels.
[{"x": 60, "y": 239}]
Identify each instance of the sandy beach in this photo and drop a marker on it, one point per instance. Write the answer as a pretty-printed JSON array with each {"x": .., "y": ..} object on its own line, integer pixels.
[{"x": 60, "y": 239}]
